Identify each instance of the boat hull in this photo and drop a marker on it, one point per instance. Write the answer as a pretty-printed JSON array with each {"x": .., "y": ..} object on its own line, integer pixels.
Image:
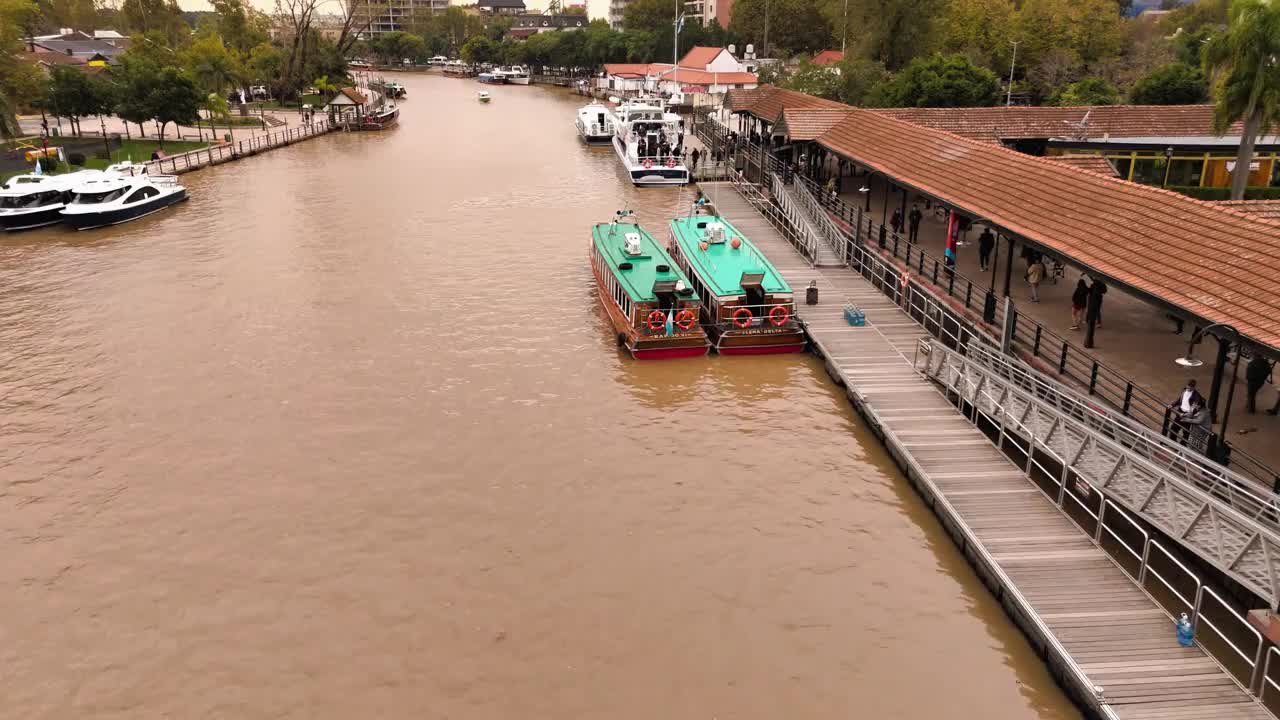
[
  {"x": 648, "y": 348},
  {"x": 657, "y": 175},
  {"x": 517, "y": 80},
  {"x": 13, "y": 222},
  {"x": 88, "y": 221},
  {"x": 668, "y": 353}
]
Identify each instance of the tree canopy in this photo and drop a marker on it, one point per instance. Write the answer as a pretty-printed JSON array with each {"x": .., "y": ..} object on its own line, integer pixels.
[
  {"x": 1172, "y": 84},
  {"x": 940, "y": 81}
]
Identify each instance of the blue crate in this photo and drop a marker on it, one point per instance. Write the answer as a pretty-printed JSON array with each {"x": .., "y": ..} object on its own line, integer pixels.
[{"x": 854, "y": 315}]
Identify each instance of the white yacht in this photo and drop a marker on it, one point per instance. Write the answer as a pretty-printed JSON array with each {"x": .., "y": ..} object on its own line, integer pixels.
[
  {"x": 31, "y": 201},
  {"x": 124, "y": 192},
  {"x": 595, "y": 123},
  {"x": 650, "y": 143},
  {"x": 514, "y": 75}
]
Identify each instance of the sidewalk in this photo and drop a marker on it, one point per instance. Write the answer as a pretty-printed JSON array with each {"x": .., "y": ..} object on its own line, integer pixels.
[
  {"x": 1135, "y": 338},
  {"x": 30, "y": 125}
]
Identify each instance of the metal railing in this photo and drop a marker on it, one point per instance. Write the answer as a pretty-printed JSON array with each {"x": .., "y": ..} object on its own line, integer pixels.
[
  {"x": 763, "y": 205},
  {"x": 774, "y": 317},
  {"x": 1237, "y": 545},
  {"x": 825, "y": 225},
  {"x": 653, "y": 322},
  {"x": 796, "y": 216},
  {"x": 1240, "y": 492},
  {"x": 214, "y": 154}
]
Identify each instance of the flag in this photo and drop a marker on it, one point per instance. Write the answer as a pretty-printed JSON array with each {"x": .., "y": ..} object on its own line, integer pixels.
[
  {"x": 670, "y": 329},
  {"x": 953, "y": 230},
  {"x": 38, "y": 171}
]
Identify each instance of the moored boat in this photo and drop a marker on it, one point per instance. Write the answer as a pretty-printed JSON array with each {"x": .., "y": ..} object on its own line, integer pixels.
[
  {"x": 747, "y": 308},
  {"x": 35, "y": 200},
  {"x": 483, "y": 96},
  {"x": 595, "y": 123},
  {"x": 380, "y": 119},
  {"x": 650, "y": 303},
  {"x": 492, "y": 78},
  {"x": 124, "y": 192},
  {"x": 649, "y": 142},
  {"x": 514, "y": 75}
]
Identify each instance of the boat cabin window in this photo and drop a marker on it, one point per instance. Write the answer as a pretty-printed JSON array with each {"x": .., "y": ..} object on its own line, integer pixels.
[
  {"x": 90, "y": 198},
  {"x": 142, "y": 193}
]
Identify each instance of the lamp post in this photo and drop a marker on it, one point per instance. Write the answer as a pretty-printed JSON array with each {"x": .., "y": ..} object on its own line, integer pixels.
[
  {"x": 1008, "y": 98},
  {"x": 1191, "y": 361},
  {"x": 1168, "y": 161}
]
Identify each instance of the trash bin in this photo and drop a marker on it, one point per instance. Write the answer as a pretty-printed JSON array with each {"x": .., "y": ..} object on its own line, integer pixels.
[{"x": 811, "y": 293}]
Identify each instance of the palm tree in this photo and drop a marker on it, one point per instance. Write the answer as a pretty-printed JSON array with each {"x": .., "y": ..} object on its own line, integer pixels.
[
  {"x": 324, "y": 87},
  {"x": 217, "y": 106},
  {"x": 1243, "y": 63}
]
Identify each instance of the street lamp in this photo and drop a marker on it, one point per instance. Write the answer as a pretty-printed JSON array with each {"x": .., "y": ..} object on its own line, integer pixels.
[
  {"x": 1191, "y": 361},
  {"x": 1168, "y": 162},
  {"x": 1008, "y": 98}
]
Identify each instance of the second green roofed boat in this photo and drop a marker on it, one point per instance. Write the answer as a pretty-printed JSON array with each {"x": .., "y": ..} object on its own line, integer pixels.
[{"x": 747, "y": 308}]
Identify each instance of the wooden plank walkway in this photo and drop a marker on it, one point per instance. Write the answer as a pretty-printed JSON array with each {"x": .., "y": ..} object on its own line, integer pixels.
[{"x": 1045, "y": 566}]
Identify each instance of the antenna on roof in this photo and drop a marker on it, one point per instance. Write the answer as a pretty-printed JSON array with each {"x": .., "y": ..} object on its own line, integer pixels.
[{"x": 1080, "y": 129}]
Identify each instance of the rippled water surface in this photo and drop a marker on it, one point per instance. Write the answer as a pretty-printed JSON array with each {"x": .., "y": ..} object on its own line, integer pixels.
[{"x": 347, "y": 436}]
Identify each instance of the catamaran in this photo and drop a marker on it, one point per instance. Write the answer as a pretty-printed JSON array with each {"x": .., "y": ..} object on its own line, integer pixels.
[
  {"x": 649, "y": 143},
  {"x": 595, "y": 123},
  {"x": 651, "y": 303},
  {"x": 747, "y": 308}
]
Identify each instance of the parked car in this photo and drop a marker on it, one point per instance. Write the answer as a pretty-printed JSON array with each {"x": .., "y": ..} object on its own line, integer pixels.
[{"x": 259, "y": 92}]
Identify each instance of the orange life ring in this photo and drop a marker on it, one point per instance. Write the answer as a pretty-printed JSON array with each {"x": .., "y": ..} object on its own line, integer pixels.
[
  {"x": 742, "y": 317},
  {"x": 671, "y": 162},
  {"x": 685, "y": 319},
  {"x": 657, "y": 320},
  {"x": 779, "y": 315},
  {"x": 648, "y": 163}
]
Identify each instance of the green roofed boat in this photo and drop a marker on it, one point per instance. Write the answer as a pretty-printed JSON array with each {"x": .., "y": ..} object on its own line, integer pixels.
[
  {"x": 650, "y": 302},
  {"x": 747, "y": 308}
]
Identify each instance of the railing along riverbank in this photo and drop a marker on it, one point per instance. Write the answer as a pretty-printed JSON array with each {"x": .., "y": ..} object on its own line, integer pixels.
[{"x": 225, "y": 152}]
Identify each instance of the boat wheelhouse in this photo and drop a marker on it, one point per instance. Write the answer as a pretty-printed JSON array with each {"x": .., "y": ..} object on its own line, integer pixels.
[
  {"x": 650, "y": 303},
  {"x": 514, "y": 75},
  {"x": 595, "y": 123},
  {"x": 124, "y": 193},
  {"x": 747, "y": 308},
  {"x": 492, "y": 78},
  {"x": 650, "y": 143}
]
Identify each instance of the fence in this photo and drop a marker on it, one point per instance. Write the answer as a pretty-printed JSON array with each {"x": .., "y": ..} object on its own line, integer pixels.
[{"x": 215, "y": 154}]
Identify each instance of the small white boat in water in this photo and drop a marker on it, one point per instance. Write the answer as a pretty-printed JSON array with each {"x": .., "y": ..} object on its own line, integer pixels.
[
  {"x": 650, "y": 143},
  {"x": 595, "y": 123},
  {"x": 483, "y": 96},
  {"x": 123, "y": 193}
]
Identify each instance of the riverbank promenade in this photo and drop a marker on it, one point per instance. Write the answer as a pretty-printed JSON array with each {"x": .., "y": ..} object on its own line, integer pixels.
[{"x": 1094, "y": 620}]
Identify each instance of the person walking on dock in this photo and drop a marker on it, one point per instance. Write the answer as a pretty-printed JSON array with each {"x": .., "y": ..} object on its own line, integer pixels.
[
  {"x": 1255, "y": 376},
  {"x": 695, "y": 155},
  {"x": 986, "y": 243},
  {"x": 1035, "y": 273},
  {"x": 1079, "y": 301},
  {"x": 895, "y": 221},
  {"x": 913, "y": 223}
]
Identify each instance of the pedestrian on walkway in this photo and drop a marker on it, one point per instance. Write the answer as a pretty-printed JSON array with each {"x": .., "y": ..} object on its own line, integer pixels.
[
  {"x": 895, "y": 221},
  {"x": 1035, "y": 273},
  {"x": 913, "y": 222},
  {"x": 1182, "y": 407},
  {"x": 1098, "y": 289},
  {"x": 1198, "y": 426},
  {"x": 1079, "y": 301},
  {"x": 1256, "y": 374},
  {"x": 695, "y": 155},
  {"x": 986, "y": 243}
]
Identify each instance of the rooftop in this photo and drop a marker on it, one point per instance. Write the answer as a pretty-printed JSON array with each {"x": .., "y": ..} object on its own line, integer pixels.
[
  {"x": 639, "y": 280},
  {"x": 720, "y": 266},
  {"x": 996, "y": 124},
  {"x": 699, "y": 56},
  {"x": 809, "y": 123},
  {"x": 687, "y": 75},
  {"x": 1264, "y": 209},
  {"x": 828, "y": 57},
  {"x": 1091, "y": 162}
]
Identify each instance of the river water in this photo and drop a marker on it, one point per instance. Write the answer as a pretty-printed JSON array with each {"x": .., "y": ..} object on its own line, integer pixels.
[{"x": 347, "y": 435}]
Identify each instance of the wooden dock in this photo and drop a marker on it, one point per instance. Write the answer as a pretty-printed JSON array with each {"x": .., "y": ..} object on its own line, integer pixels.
[
  {"x": 226, "y": 152},
  {"x": 1107, "y": 642}
]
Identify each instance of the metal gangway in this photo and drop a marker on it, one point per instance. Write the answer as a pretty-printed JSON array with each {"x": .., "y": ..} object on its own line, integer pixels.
[{"x": 1233, "y": 530}]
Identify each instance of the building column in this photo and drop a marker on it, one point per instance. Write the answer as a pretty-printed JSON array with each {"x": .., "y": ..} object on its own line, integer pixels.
[
  {"x": 1008, "y": 268},
  {"x": 1215, "y": 385}
]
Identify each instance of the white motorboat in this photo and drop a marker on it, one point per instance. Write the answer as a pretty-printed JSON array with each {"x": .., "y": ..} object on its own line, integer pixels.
[
  {"x": 650, "y": 143},
  {"x": 31, "y": 201},
  {"x": 514, "y": 75},
  {"x": 483, "y": 96},
  {"x": 595, "y": 123},
  {"x": 123, "y": 193}
]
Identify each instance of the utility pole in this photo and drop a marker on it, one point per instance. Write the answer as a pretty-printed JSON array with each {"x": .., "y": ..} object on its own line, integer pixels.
[
  {"x": 766, "y": 28},
  {"x": 845, "y": 39},
  {"x": 1008, "y": 99}
]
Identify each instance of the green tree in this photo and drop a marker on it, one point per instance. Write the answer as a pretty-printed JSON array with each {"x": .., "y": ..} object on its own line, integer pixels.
[
  {"x": 326, "y": 89},
  {"x": 814, "y": 80},
  {"x": 860, "y": 80},
  {"x": 174, "y": 99},
  {"x": 264, "y": 64},
  {"x": 162, "y": 16},
  {"x": 795, "y": 26},
  {"x": 20, "y": 83},
  {"x": 215, "y": 104},
  {"x": 1246, "y": 78},
  {"x": 940, "y": 81},
  {"x": 393, "y": 47},
  {"x": 70, "y": 95},
  {"x": 211, "y": 64},
  {"x": 480, "y": 49},
  {"x": 653, "y": 16},
  {"x": 892, "y": 32},
  {"x": 238, "y": 24},
  {"x": 1172, "y": 84},
  {"x": 135, "y": 80},
  {"x": 1090, "y": 30},
  {"x": 981, "y": 30},
  {"x": 1089, "y": 91}
]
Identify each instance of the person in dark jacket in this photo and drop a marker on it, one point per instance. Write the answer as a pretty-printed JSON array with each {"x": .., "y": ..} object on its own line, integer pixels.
[
  {"x": 1255, "y": 376},
  {"x": 895, "y": 220},
  {"x": 913, "y": 224},
  {"x": 986, "y": 243},
  {"x": 1079, "y": 301}
]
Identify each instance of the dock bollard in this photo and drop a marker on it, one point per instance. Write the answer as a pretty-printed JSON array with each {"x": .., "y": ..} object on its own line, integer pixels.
[{"x": 811, "y": 293}]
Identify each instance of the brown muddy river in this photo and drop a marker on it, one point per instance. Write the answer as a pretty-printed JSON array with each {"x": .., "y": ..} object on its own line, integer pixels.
[{"x": 348, "y": 436}]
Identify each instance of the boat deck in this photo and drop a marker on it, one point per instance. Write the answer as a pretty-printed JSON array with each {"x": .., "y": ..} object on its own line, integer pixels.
[{"x": 1093, "y": 625}]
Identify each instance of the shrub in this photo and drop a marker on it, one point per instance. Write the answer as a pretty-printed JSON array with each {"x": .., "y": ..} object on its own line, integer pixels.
[
  {"x": 76, "y": 159},
  {"x": 101, "y": 155}
]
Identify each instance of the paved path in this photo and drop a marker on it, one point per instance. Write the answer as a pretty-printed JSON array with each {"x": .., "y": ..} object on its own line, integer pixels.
[
  {"x": 1136, "y": 339},
  {"x": 1038, "y": 559}
]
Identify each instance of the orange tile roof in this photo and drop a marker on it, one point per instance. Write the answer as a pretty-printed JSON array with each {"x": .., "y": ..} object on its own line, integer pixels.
[
  {"x": 635, "y": 69},
  {"x": 828, "y": 57},
  {"x": 1215, "y": 263},
  {"x": 1090, "y": 162},
  {"x": 993, "y": 124},
  {"x": 767, "y": 102},
  {"x": 1265, "y": 209},
  {"x": 699, "y": 57},
  {"x": 808, "y": 123},
  {"x": 355, "y": 95}
]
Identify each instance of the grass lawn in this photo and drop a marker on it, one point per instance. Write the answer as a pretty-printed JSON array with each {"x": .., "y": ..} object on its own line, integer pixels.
[{"x": 137, "y": 150}]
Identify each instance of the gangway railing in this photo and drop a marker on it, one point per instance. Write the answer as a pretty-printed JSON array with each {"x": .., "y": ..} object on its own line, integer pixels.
[
  {"x": 796, "y": 215},
  {"x": 826, "y": 227},
  {"x": 763, "y": 205},
  {"x": 1242, "y": 493},
  {"x": 1229, "y": 540}
]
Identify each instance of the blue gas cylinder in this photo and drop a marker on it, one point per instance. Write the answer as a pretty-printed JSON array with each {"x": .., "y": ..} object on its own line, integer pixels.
[{"x": 1186, "y": 633}]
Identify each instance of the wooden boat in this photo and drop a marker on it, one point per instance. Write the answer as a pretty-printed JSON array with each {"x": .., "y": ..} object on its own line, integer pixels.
[
  {"x": 381, "y": 120},
  {"x": 747, "y": 308},
  {"x": 650, "y": 302}
]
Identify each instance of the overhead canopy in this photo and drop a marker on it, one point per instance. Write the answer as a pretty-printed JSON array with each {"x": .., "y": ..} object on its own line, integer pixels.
[
  {"x": 1211, "y": 262},
  {"x": 1172, "y": 123},
  {"x": 804, "y": 124}
]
